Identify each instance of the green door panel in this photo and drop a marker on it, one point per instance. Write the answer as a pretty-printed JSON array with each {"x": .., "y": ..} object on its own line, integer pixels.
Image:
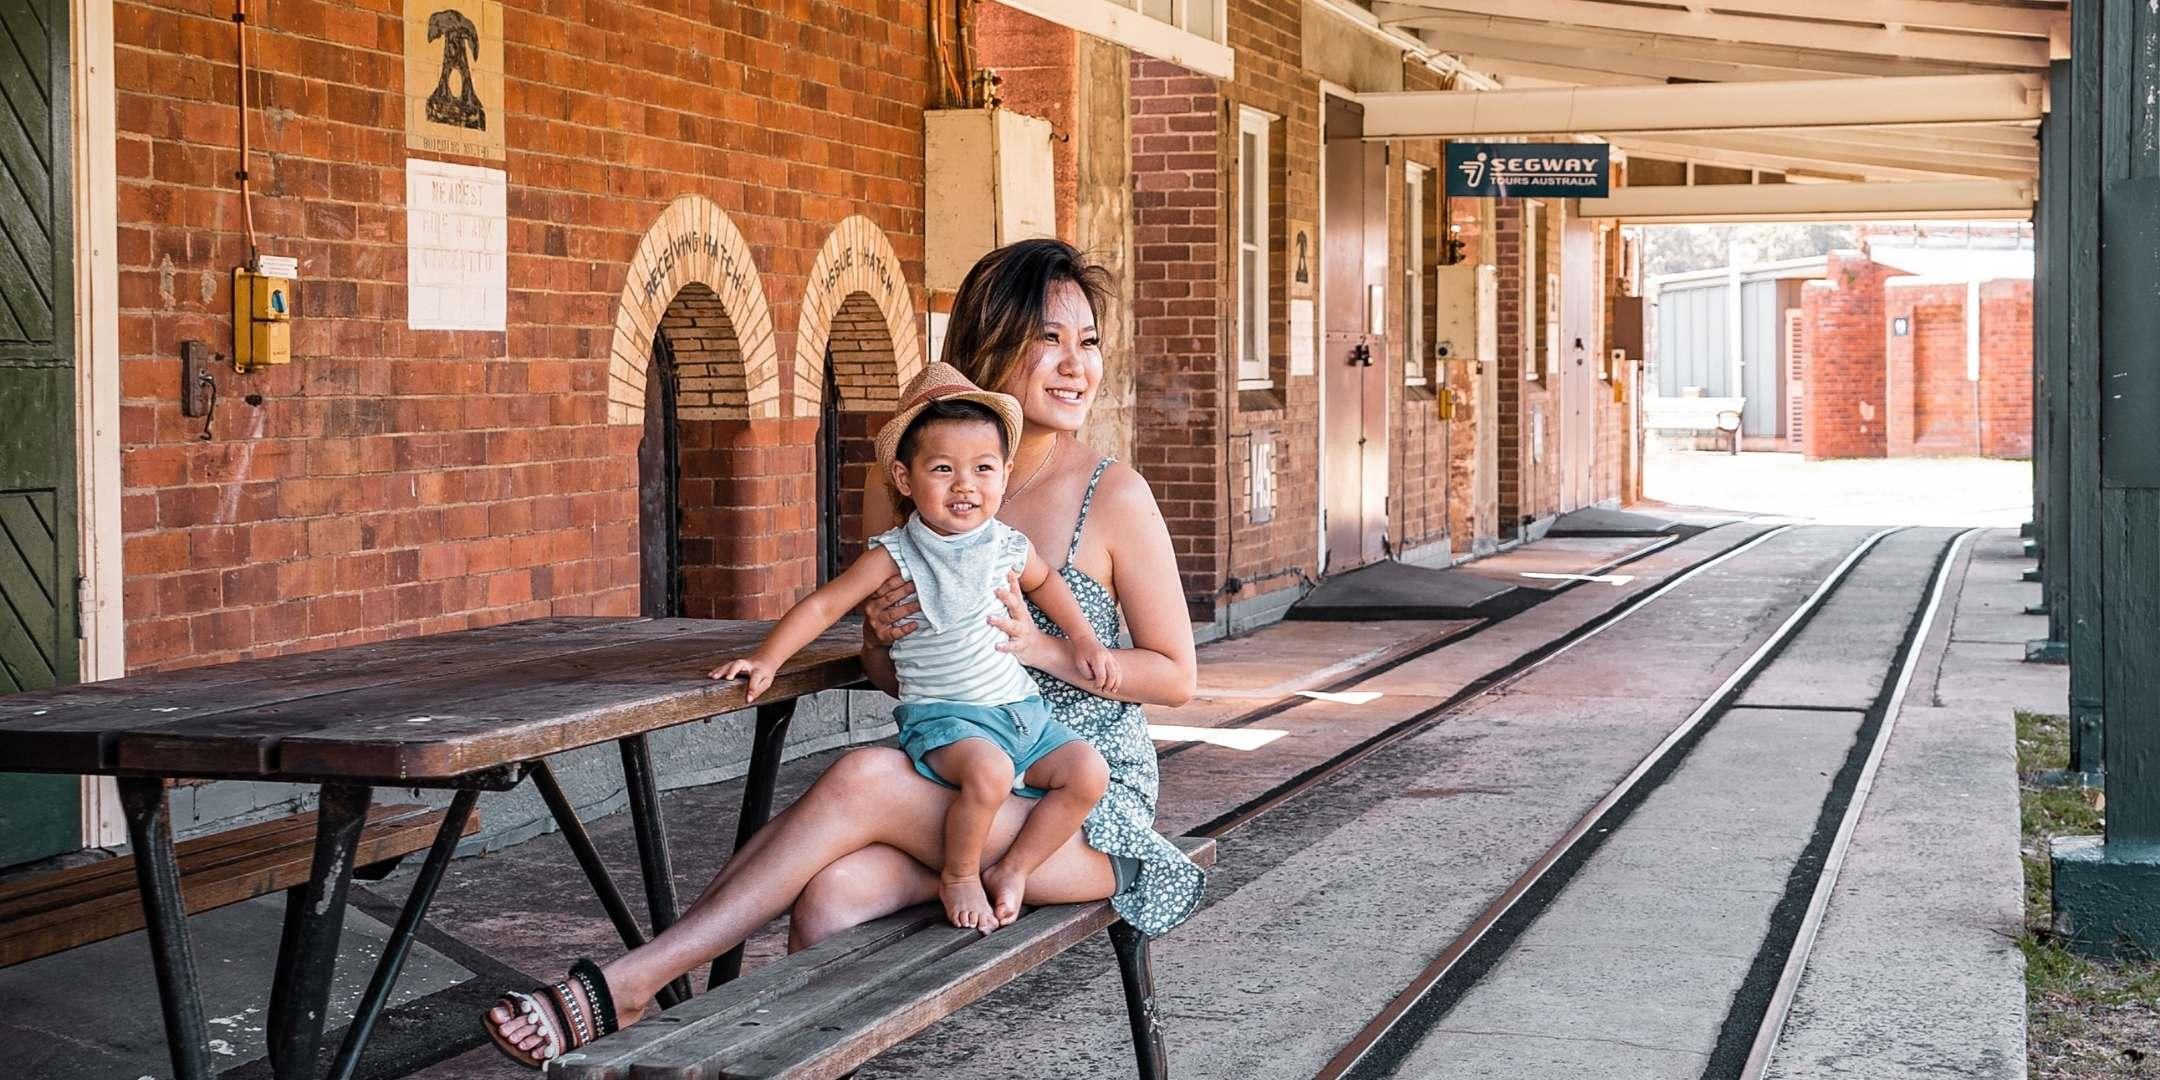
[{"x": 39, "y": 815}]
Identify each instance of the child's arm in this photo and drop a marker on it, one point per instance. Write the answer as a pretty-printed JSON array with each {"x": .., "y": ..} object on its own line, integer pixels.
[
  {"x": 1049, "y": 592},
  {"x": 812, "y": 616}
]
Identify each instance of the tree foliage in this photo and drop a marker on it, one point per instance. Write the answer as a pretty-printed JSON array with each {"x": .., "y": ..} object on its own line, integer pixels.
[{"x": 1672, "y": 249}]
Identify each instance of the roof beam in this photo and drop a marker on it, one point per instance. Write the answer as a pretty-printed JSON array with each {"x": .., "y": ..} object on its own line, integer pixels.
[
  {"x": 1563, "y": 73},
  {"x": 1609, "y": 110},
  {"x": 1796, "y": 168},
  {"x": 2023, "y": 149},
  {"x": 1859, "y": 157},
  {"x": 1931, "y": 14},
  {"x": 1814, "y": 202},
  {"x": 1989, "y": 49},
  {"x": 1661, "y": 57}
]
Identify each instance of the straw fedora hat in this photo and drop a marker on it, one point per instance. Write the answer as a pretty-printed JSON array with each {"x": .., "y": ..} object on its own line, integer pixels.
[{"x": 943, "y": 382}]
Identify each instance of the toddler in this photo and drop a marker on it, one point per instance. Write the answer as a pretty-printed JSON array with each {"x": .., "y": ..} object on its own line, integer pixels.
[{"x": 970, "y": 716}]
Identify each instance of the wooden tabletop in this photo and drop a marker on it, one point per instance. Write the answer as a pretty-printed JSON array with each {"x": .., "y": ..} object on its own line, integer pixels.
[{"x": 430, "y": 708}]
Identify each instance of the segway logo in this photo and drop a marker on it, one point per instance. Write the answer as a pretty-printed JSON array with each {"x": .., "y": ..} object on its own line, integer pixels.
[{"x": 1499, "y": 170}]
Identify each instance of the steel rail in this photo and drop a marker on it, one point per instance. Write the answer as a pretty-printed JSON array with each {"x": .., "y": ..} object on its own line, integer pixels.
[{"x": 1351, "y": 1060}]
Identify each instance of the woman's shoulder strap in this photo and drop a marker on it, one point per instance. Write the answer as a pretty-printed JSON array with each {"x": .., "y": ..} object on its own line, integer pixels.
[{"x": 1087, "y": 501}]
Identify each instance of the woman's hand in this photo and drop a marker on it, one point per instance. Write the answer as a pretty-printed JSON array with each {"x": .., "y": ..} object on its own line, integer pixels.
[{"x": 888, "y": 613}]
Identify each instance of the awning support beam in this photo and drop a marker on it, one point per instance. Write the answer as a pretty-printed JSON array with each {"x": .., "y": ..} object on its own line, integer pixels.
[{"x": 1613, "y": 110}]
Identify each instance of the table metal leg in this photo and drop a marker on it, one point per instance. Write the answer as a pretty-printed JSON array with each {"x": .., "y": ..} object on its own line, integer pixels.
[
  {"x": 307, "y": 957},
  {"x": 641, "y": 784},
  {"x": 157, "y": 874},
  {"x": 588, "y": 858},
  {"x": 772, "y": 729},
  {"x": 399, "y": 946}
]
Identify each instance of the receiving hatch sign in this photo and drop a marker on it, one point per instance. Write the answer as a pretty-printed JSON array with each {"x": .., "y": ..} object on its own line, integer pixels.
[{"x": 1501, "y": 170}]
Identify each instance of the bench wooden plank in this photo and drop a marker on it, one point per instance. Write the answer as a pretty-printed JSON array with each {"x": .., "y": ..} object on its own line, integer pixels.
[
  {"x": 832, "y": 1045},
  {"x": 215, "y": 871},
  {"x": 825, "y": 1021},
  {"x": 612, "y": 1057},
  {"x": 467, "y": 722}
]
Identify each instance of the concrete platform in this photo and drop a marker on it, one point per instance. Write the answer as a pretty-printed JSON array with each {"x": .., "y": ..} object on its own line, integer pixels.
[{"x": 1916, "y": 970}]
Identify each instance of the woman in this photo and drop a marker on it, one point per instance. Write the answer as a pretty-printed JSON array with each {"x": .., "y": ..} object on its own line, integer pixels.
[{"x": 865, "y": 839}]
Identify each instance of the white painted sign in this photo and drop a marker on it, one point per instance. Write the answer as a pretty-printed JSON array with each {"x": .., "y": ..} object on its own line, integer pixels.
[
  {"x": 1301, "y": 337},
  {"x": 1234, "y": 738},
  {"x": 457, "y": 243}
]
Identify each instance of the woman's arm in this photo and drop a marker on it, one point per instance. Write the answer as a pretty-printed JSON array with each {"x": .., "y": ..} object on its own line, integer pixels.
[{"x": 1160, "y": 668}]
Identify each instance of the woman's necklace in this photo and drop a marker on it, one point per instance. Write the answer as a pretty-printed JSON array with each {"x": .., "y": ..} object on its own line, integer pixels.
[{"x": 1056, "y": 444}]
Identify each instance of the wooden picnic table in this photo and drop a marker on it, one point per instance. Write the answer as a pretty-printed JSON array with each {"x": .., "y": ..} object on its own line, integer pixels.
[{"x": 474, "y": 710}]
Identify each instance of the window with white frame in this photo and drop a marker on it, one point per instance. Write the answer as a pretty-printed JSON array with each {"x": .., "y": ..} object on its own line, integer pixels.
[
  {"x": 1415, "y": 180},
  {"x": 1252, "y": 248},
  {"x": 1202, "y": 18}
]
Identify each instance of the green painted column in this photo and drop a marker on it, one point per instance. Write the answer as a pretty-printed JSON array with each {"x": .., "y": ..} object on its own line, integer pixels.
[
  {"x": 2107, "y": 890},
  {"x": 2051, "y": 402}
]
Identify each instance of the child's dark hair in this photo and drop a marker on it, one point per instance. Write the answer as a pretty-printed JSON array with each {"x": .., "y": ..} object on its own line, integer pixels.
[{"x": 947, "y": 411}]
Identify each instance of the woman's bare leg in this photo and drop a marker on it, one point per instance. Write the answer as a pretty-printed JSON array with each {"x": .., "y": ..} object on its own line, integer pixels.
[
  {"x": 869, "y": 799},
  {"x": 879, "y": 880}
]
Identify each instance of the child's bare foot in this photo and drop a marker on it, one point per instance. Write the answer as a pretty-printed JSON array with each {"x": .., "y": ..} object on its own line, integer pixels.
[
  {"x": 966, "y": 905},
  {"x": 1006, "y": 886}
]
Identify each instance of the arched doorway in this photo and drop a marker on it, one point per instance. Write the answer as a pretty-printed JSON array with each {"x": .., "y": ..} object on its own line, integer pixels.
[
  {"x": 695, "y": 374},
  {"x": 856, "y": 348}
]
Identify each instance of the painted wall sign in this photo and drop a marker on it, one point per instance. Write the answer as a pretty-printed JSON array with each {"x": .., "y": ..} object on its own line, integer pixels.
[
  {"x": 1502, "y": 170},
  {"x": 457, "y": 243},
  {"x": 454, "y": 77},
  {"x": 1303, "y": 256},
  {"x": 1301, "y": 337}
]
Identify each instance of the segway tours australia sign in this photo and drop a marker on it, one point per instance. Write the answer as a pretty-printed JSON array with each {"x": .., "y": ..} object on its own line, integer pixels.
[{"x": 1503, "y": 170}]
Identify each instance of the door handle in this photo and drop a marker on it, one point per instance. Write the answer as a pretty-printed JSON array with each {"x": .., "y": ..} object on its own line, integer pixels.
[{"x": 1361, "y": 355}]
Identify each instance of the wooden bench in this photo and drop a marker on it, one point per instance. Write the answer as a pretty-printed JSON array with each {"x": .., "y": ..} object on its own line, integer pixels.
[
  {"x": 53, "y": 911},
  {"x": 822, "y": 1012}
]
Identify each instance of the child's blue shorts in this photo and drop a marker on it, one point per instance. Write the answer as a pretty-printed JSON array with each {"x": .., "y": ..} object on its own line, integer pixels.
[{"x": 1023, "y": 729}]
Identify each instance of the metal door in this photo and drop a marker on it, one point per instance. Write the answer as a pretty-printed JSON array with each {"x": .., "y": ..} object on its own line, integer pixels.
[
  {"x": 1353, "y": 360},
  {"x": 39, "y": 815},
  {"x": 660, "y": 590},
  {"x": 1576, "y": 354}
]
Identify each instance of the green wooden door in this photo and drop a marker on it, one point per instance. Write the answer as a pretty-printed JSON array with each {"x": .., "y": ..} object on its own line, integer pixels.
[{"x": 39, "y": 815}]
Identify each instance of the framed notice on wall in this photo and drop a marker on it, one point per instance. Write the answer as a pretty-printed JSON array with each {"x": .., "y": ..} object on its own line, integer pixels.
[
  {"x": 457, "y": 243},
  {"x": 1301, "y": 337},
  {"x": 454, "y": 77}
]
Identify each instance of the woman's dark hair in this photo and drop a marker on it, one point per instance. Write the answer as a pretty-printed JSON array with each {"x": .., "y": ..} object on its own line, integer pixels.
[
  {"x": 999, "y": 308},
  {"x": 945, "y": 412}
]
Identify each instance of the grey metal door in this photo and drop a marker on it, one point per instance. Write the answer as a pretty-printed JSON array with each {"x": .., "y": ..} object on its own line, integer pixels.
[
  {"x": 1353, "y": 358},
  {"x": 39, "y": 815}
]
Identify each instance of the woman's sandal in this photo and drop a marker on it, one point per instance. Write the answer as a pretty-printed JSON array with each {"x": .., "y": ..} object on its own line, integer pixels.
[{"x": 562, "y": 1004}]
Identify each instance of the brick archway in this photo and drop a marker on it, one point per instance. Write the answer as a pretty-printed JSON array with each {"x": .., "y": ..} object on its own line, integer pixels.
[
  {"x": 694, "y": 251},
  {"x": 854, "y": 285}
]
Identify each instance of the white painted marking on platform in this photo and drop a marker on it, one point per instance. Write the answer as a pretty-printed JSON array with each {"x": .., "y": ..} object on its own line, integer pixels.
[
  {"x": 1234, "y": 738},
  {"x": 1349, "y": 697},
  {"x": 1602, "y": 579}
]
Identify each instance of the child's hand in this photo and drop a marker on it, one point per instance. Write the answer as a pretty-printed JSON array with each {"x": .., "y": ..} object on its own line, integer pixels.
[
  {"x": 757, "y": 671},
  {"x": 1099, "y": 664}
]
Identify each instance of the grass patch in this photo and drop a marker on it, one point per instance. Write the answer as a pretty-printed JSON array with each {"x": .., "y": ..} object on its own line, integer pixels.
[{"x": 2086, "y": 1018}]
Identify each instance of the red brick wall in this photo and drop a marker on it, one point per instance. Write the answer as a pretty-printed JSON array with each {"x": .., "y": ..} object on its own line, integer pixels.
[
  {"x": 1844, "y": 331},
  {"x": 1178, "y": 338},
  {"x": 391, "y": 481},
  {"x": 1419, "y": 479},
  {"x": 1037, "y": 63},
  {"x": 1922, "y": 402},
  {"x": 2006, "y": 404}
]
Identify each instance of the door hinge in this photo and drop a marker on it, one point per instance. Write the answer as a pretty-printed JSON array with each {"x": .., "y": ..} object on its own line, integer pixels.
[{"x": 82, "y": 585}]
